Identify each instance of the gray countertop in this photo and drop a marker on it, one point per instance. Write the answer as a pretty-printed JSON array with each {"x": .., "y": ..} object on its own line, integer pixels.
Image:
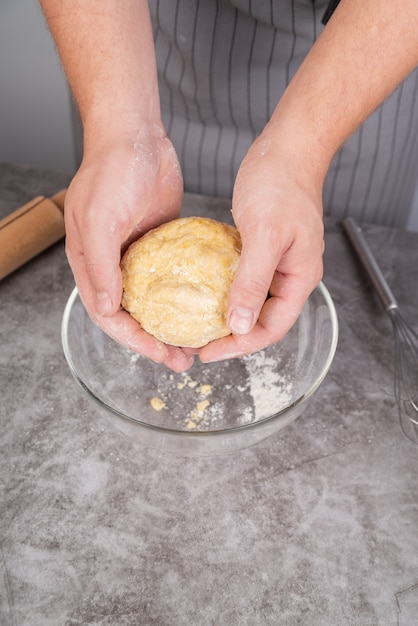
[{"x": 314, "y": 526}]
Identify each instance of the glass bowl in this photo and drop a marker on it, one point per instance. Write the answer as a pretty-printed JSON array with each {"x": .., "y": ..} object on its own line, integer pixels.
[{"x": 212, "y": 409}]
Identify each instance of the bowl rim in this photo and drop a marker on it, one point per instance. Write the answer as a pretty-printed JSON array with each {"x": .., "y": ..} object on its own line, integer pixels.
[{"x": 196, "y": 434}]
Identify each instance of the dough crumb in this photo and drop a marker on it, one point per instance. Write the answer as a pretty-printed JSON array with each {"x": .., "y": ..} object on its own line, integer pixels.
[
  {"x": 157, "y": 404},
  {"x": 199, "y": 410},
  {"x": 186, "y": 380},
  {"x": 202, "y": 406},
  {"x": 205, "y": 389}
]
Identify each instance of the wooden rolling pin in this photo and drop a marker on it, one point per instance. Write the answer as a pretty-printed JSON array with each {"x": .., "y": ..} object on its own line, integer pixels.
[{"x": 28, "y": 231}]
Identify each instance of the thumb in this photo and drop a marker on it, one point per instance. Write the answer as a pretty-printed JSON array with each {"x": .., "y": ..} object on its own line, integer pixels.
[
  {"x": 94, "y": 258},
  {"x": 259, "y": 259}
]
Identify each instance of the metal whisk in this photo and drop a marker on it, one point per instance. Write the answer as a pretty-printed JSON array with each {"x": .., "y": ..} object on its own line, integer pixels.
[{"x": 406, "y": 338}]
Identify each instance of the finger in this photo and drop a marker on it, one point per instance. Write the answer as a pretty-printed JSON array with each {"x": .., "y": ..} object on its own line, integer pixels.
[
  {"x": 261, "y": 252},
  {"x": 93, "y": 251},
  {"x": 125, "y": 330},
  {"x": 278, "y": 314}
]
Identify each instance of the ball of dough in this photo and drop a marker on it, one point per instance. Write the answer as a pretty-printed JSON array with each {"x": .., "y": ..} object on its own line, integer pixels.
[{"x": 177, "y": 277}]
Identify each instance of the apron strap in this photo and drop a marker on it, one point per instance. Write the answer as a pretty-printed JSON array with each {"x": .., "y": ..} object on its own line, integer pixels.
[{"x": 332, "y": 5}]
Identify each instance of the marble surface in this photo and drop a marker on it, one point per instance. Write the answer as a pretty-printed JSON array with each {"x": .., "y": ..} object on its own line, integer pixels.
[{"x": 316, "y": 526}]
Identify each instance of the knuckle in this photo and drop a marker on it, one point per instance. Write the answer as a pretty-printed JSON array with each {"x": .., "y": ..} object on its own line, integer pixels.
[{"x": 252, "y": 289}]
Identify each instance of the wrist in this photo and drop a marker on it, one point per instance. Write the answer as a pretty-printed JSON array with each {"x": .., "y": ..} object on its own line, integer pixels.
[
  {"x": 102, "y": 134},
  {"x": 301, "y": 156}
]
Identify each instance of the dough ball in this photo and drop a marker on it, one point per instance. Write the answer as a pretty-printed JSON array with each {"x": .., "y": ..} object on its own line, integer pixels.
[{"x": 176, "y": 280}]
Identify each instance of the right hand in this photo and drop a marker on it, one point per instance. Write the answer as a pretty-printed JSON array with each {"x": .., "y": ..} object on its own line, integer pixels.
[
  {"x": 277, "y": 208},
  {"x": 121, "y": 191}
]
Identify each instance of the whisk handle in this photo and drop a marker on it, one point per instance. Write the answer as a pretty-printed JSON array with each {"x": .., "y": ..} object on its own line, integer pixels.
[{"x": 361, "y": 247}]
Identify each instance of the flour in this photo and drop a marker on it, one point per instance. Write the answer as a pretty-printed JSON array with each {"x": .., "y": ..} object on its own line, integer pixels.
[
  {"x": 269, "y": 389},
  {"x": 220, "y": 396}
]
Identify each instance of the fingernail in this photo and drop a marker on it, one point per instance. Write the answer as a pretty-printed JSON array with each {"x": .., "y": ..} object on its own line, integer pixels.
[
  {"x": 103, "y": 303},
  {"x": 241, "y": 321}
]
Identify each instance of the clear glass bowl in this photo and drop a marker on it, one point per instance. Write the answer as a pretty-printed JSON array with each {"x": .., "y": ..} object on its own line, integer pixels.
[{"x": 211, "y": 409}]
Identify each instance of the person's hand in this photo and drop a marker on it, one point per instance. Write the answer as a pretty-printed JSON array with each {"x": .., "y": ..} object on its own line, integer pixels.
[
  {"x": 277, "y": 209},
  {"x": 120, "y": 192}
]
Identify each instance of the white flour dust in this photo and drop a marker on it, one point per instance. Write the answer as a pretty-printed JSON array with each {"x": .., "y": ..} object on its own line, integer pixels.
[
  {"x": 269, "y": 389},
  {"x": 210, "y": 399}
]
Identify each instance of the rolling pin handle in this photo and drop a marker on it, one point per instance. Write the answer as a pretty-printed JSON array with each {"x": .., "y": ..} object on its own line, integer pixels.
[{"x": 30, "y": 230}]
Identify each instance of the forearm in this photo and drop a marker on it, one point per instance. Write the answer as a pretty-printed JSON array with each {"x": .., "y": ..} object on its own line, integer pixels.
[
  {"x": 108, "y": 54},
  {"x": 362, "y": 55}
]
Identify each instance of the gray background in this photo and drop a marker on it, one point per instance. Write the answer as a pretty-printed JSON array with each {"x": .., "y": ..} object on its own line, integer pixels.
[{"x": 35, "y": 111}]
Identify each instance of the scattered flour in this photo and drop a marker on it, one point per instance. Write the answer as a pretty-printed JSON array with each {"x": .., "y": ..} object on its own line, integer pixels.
[
  {"x": 269, "y": 389},
  {"x": 262, "y": 391}
]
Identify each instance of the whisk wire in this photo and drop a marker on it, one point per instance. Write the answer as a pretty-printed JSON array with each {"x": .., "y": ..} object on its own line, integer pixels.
[
  {"x": 406, "y": 374},
  {"x": 406, "y": 338}
]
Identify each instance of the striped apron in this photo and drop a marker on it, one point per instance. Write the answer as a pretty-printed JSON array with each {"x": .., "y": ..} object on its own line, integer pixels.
[{"x": 223, "y": 66}]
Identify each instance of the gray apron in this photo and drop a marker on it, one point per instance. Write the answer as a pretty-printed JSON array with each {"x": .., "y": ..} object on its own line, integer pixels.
[{"x": 223, "y": 66}]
